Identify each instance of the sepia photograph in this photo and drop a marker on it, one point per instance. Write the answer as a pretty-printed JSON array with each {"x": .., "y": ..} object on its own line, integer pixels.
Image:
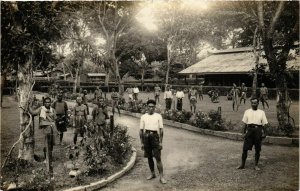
[{"x": 146, "y": 95}]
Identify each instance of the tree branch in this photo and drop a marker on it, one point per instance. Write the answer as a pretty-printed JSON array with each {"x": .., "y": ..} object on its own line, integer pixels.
[{"x": 275, "y": 18}]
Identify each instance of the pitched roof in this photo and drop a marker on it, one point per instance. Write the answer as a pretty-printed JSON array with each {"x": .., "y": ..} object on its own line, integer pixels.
[{"x": 232, "y": 61}]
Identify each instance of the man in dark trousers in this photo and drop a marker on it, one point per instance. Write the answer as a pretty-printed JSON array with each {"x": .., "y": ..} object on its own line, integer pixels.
[
  {"x": 61, "y": 122},
  {"x": 254, "y": 119},
  {"x": 151, "y": 135}
]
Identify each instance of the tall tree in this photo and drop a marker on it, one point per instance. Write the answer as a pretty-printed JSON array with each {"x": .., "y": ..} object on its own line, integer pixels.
[
  {"x": 113, "y": 18},
  {"x": 279, "y": 29},
  {"x": 27, "y": 29}
]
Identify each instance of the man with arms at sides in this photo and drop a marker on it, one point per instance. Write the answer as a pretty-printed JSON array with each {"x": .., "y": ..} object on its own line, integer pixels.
[
  {"x": 151, "y": 136},
  {"x": 179, "y": 96},
  {"x": 61, "y": 109},
  {"x": 157, "y": 91},
  {"x": 255, "y": 120},
  {"x": 100, "y": 117},
  {"x": 79, "y": 119}
]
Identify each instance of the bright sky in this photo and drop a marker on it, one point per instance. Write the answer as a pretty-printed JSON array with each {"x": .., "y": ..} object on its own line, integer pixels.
[{"x": 146, "y": 15}]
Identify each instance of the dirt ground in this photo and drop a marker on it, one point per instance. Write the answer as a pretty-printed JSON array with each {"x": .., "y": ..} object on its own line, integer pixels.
[
  {"x": 195, "y": 162},
  {"x": 192, "y": 161}
]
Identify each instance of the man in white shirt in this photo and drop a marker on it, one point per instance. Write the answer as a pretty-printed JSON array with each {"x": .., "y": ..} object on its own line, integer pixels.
[
  {"x": 151, "y": 136},
  {"x": 168, "y": 98},
  {"x": 135, "y": 93},
  {"x": 254, "y": 119},
  {"x": 179, "y": 96}
]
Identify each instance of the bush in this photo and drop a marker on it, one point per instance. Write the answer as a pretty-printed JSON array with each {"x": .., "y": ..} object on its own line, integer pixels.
[{"x": 106, "y": 150}]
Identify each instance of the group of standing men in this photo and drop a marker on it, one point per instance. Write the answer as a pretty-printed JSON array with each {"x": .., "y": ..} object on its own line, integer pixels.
[
  {"x": 170, "y": 94},
  {"x": 54, "y": 118},
  {"x": 240, "y": 94}
]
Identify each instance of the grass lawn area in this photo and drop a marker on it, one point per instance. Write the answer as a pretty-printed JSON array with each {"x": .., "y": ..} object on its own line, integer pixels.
[{"x": 226, "y": 105}]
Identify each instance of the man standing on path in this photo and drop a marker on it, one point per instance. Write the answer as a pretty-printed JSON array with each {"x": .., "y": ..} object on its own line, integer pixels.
[
  {"x": 254, "y": 119},
  {"x": 61, "y": 109},
  {"x": 151, "y": 136},
  {"x": 264, "y": 95},
  {"x": 179, "y": 96},
  {"x": 168, "y": 98},
  {"x": 157, "y": 91},
  {"x": 79, "y": 119}
]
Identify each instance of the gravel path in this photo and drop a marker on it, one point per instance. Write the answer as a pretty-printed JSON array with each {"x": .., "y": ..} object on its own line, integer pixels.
[{"x": 197, "y": 162}]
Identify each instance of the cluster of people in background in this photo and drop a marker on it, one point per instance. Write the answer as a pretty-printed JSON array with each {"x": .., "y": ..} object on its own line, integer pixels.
[
  {"x": 56, "y": 115},
  {"x": 239, "y": 95}
]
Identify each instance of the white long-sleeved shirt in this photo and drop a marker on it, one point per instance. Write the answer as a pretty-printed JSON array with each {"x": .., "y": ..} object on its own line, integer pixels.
[
  {"x": 179, "y": 94},
  {"x": 152, "y": 122},
  {"x": 168, "y": 94}
]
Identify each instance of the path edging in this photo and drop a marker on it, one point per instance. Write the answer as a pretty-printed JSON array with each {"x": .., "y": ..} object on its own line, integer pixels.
[
  {"x": 104, "y": 181},
  {"x": 286, "y": 141}
]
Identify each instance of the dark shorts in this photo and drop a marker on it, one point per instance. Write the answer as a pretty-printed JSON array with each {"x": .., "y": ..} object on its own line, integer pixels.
[
  {"x": 253, "y": 137},
  {"x": 61, "y": 123},
  {"x": 151, "y": 145},
  {"x": 263, "y": 97}
]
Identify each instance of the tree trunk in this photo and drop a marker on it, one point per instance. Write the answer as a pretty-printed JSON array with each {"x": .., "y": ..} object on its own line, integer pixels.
[
  {"x": 168, "y": 63},
  {"x": 256, "y": 43},
  {"x": 26, "y": 149},
  {"x": 64, "y": 71},
  {"x": 76, "y": 80},
  {"x": 143, "y": 74},
  {"x": 3, "y": 78}
]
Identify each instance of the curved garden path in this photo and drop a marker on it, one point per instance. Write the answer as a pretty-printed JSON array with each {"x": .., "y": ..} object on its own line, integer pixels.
[{"x": 198, "y": 162}]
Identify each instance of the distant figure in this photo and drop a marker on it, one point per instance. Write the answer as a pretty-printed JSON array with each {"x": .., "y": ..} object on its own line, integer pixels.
[
  {"x": 200, "y": 92},
  {"x": 85, "y": 101},
  {"x": 243, "y": 90},
  {"x": 168, "y": 98},
  {"x": 179, "y": 96},
  {"x": 97, "y": 94},
  {"x": 157, "y": 92},
  {"x": 235, "y": 97},
  {"x": 193, "y": 99},
  {"x": 115, "y": 101},
  {"x": 61, "y": 109},
  {"x": 264, "y": 95},
  {"x": 136, "y": 92},
  {"x": 129, "y": 90}
]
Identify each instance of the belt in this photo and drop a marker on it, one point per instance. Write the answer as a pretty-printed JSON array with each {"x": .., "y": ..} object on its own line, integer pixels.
[
  {"x": 151, "y": 132},
  {"x": 253, "y": 126}
]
